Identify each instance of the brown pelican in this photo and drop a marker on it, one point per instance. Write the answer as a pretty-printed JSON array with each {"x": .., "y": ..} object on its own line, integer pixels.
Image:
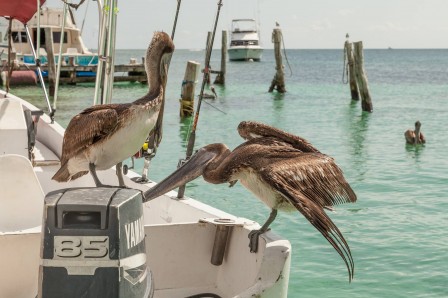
[
  {"x": 283, "y": 170},
  {"x": 104, "y": 135},
  {"x": 415, "y": 137}
]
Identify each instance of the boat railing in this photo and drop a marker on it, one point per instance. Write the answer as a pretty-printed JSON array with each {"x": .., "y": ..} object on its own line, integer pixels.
[
  {"x": 244, "y": 31},
  {"x": 244, "y": 43}
]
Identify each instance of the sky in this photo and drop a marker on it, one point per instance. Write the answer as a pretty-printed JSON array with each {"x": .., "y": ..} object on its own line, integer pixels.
[{"x": 310, "y": 24}]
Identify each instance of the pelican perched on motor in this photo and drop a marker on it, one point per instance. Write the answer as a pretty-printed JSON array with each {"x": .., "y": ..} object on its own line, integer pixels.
[
  {"x": 104, "y": 135},
  {"x": 284, "y": 171},
  {"x": 415, "y": 137}
]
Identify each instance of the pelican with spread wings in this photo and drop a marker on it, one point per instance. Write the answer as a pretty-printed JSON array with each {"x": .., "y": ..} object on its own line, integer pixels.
[{"x": 284, "y": 171}]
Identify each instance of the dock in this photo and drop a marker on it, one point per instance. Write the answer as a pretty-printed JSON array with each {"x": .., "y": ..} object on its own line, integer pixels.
[{"x": 70, "y": 73}]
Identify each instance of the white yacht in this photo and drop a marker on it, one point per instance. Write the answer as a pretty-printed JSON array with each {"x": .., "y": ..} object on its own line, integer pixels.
[{"x": 244, "y": 41}]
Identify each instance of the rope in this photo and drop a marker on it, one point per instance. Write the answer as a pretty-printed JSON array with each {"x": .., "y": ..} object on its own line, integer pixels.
[
  {"x": 185, "y": 82},
  {"x": 84, "y": 19},
  {"x": 75, "y": 6},
  {"x": 284, "y": 53},
  {"x": 190, "y": 102},
  {"x": 216, "y": 108},
  {"x": 187, "y": 107}
]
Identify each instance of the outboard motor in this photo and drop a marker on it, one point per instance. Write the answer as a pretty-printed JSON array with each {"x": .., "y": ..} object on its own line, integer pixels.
[{"x": 94, "y": 244}]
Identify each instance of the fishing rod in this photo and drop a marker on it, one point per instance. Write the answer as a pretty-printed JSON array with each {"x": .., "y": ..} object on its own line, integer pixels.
[
  {"x": 205, "y": 78},
  {"x": 175, "y": 19}
]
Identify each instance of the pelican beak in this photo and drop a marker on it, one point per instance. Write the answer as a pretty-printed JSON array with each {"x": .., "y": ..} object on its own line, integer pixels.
[{"x": 189, "y": 171}]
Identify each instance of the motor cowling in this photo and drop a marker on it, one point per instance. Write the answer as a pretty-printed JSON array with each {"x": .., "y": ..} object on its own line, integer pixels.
[{"x": 93, "y": 244}]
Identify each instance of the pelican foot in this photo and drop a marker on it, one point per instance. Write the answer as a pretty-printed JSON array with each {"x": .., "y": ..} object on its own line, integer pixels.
[
  {"x": 253, "y": 239},
  {"x": 140, "y": 180}
]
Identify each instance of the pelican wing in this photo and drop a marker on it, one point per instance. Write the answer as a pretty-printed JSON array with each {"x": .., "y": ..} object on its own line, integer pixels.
[
  {"x": 90, "y": 126},
  {"x": 310, "y": 182},
  {"x": 409, "y": 136},
  {"x": 316, "y": 176},
  {"x": 249, "y": 130},
  {"x": 320, "y": 220}
]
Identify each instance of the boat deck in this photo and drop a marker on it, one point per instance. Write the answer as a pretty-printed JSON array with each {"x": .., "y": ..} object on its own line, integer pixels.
[{"x": 180, "y": 234}]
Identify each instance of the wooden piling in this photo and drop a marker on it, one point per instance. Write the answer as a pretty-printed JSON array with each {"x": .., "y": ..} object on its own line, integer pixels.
[
  {"x": 50, "y": 60},
  {"x": 351, "y": 70},
  {"x": 279, "y": 79},
  {"x": 221, "y": 77},
  {"x": 72, "y": 74},
  {"x": 361, "y": 78},
  {"x": 188, "y": 88},
  {"x": 207, "y": 65}
]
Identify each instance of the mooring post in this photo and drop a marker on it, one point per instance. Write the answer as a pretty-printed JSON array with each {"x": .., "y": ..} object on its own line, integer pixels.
[
  {"x": 279, "y": 79},
  {"x": 221, "y": 77},
  {"x": 207, "y": 64},
  {"x": 188, "y": 88},
  {"x": 72, "y": 62},
  {"x": 351, "y": 70},
  {"x": 361, "y": 77},
  {"x": 50, "y": 58}
]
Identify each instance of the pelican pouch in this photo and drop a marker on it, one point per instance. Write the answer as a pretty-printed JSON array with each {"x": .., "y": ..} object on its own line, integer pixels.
[{"x": 93, "y": 244}]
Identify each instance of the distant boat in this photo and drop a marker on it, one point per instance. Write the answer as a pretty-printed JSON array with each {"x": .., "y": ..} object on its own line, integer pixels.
[{"x": 244, "y": 41}]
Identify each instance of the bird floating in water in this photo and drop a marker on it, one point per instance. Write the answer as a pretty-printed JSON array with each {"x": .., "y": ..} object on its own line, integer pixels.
[
  {"x": 284, "y": 171},
  {"x": 415, "y": 137},
  {"x": 104, "y": 135}
]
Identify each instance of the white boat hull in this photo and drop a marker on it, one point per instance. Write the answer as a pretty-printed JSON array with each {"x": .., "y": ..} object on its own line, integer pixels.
[
  {"x": 179, "y": 233},
  {"x": 245, "y": 53}
]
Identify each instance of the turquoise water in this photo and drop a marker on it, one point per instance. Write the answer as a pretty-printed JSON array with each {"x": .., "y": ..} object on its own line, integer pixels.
[{"x": 397, "y": 230}]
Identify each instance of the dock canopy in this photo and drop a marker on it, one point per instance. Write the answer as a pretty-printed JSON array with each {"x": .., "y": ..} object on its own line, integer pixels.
[{"x": 22, "y": 10}]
